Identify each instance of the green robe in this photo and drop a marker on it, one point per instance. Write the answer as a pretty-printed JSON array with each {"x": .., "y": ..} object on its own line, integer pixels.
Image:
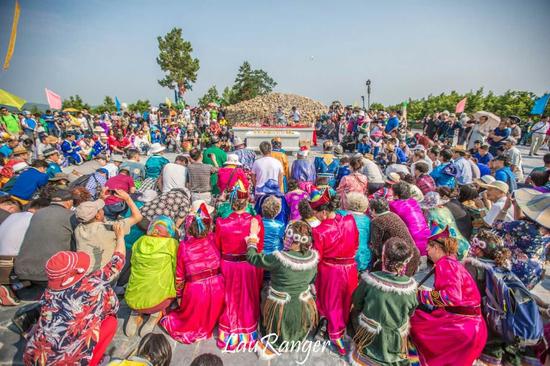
[
  {"x": 289, "y": 309},
  {"x": 384, "y": 303},
  {"x": 224, "y": 210}
]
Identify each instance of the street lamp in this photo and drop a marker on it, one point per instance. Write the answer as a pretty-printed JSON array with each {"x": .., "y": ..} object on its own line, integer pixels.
[
  {"x": 368, "y": 82},
  {"x": 363, "y": 99}
]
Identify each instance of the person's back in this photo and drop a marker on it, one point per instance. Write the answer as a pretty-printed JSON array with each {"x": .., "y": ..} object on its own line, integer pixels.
[
  {"x": 30, "y": 181},
  {"x": 154, "y": 165},
  {"x": 50, "y": 231},
  {"x": 173, "y": 176},
  {"x": 266, "y": 168}
]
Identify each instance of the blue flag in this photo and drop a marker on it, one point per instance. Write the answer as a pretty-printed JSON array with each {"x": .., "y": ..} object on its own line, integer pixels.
[
  {"x": 117, "y": 103},
  {"x": 540, "y": 104}
]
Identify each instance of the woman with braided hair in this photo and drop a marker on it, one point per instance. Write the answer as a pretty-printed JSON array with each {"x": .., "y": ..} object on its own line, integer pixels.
[
  {"x": 453, "y": 332},
  {"x": 199, "y": 283},
  {"x": 289, "y": 311},
  {"x": 384, "y": 300}
]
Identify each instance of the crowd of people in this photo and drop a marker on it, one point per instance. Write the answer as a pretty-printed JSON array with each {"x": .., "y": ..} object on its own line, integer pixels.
[{"x": 229, "y": 243}]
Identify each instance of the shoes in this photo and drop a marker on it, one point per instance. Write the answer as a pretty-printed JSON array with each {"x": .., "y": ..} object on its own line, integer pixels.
[
  {"x": 265, "y": 351},
  {"x": 7, "y": 297},
  {"x": 339, "y": 345},
  {"x": 150, "y": 324},
  {"x": 133, "y": 323}
]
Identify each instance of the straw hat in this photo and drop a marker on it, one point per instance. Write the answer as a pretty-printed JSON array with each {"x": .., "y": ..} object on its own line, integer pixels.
[
  {"x": 157, "y": 148},
  {"x": 393, "y": 178},
  {"x": 535, "y": 205},
  {"x": 497, "y": 184}
]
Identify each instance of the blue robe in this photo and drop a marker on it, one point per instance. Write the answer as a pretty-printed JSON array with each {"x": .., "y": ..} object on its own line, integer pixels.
[
  {"x": 303, "y": 170},
  {"x": 70, "y": 151}
]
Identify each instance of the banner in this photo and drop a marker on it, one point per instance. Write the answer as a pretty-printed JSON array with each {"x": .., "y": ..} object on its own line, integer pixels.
[
  {"x": 13, "y": 36},
  {"x": 540, "y": 104},
  {"x": 11, "y": 100},
  {"x": 117, "y": 104},
  {"x": 461, "y": 105},
  {"x": 54, "y": 100}
]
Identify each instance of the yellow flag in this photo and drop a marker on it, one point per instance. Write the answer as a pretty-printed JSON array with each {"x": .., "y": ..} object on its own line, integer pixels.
[
  {"x": 13, "y": 36},
  {"x": 168, "y": 102},
  {"x": 10, "y": 99}
]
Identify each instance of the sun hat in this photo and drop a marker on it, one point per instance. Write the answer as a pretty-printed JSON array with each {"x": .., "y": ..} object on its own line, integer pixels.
[
  {"x": 99, "y": 129},
  {"x": 117, "y": 159},
  {"x": 18, "y": 150},
  {"x": 237, "y": 141},
  {"x": 49, "y": 152},
  {"x": 535, "y": 205},
  {"x": 66, "y": 268},
  {"x": 232, "y": 159},
  {"x": 157, "y": 148},
  {"x": 432, "y": 200},
  {"x": 59, "y": 176},
  {"x": 393, "y": 178},
  {"x": 459, "y": 148},
  {"x": 86, "y": 211},
  {"x": 497, "y": 184},
  {"x": 486, "y": 179},
  {"x": 51, "y": 140}
]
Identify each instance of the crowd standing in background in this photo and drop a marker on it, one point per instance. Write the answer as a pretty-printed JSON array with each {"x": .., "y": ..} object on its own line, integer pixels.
[{"x": 333, "y": 239}]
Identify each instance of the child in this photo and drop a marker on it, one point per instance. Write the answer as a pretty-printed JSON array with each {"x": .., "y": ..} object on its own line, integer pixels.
[
  {"x": 343, "y": 169},
  {"x": 274, "y": 229},
  {"x": 385, "y": 301},
  {"x": 199, "y": 284},
  {"x": 293, "y": 198},
  {"x": 153, "y": 350}
]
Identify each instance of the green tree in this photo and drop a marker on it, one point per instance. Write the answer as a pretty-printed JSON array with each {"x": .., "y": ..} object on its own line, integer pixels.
[
  {"x": 176, "y": 61},
  {"x": 75, "y": 102},
  {"x": 108, "y": 104},
  {"x": 211, "y": 96},
  {"x": 250, "y": 83},
  {"x": 376, "y": 106},
  {"x": 139, "y": 106}
]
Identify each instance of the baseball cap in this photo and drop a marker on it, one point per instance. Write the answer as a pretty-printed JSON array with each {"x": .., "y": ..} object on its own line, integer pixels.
[{"x": 86, "y": 211}]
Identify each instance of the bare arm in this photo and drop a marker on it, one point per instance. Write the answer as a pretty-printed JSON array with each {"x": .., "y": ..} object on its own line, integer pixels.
[
  {"x": 120, "y": 247},
  {"x": 136, "y": 215}
]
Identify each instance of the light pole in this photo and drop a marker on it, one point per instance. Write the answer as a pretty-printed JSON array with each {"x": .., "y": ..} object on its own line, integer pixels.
[
  {"x": 363, "y": 99},
  {"x": 368, "y": 82}
]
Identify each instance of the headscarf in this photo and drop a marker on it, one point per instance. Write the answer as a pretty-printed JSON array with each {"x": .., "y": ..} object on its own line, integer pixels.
[{"x": 162, "y": 227}]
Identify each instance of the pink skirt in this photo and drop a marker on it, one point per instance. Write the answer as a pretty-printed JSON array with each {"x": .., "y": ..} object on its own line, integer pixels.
[
  {"x": 239, "y": 319},
  {"x": 335, "y": 285},
  {"x": 201, "y": 306},
  {"x": 444, "y": 338}
]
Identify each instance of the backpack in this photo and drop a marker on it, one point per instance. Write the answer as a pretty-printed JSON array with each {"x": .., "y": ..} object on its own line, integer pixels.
[
  {"x": 511, "y": 310},
  {"x": 81, "y": 181}
]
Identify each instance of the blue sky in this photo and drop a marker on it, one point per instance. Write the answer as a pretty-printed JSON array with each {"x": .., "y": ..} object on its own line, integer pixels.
[{"x": 321, "y": 49}]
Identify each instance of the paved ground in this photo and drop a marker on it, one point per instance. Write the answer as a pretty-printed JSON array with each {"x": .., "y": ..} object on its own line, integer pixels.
[{"x": 11, "y": 345}]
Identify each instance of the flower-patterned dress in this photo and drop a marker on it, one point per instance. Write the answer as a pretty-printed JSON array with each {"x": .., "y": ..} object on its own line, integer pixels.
[
  {"x": 68, "y": 328},
  {"x": 528, "y": 248}
]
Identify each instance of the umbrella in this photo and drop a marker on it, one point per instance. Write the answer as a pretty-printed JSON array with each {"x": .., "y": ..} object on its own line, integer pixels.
[
  {"x": 11, "y": 100},
  {"x": 492, "y": 122},
  {"x": 71, "y": 110},
  {"x": 535, "y": 205}
]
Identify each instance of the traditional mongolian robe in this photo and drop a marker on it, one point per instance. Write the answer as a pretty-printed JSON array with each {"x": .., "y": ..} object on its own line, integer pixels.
[
  {"x": 336, "y": 240},
  {"x": 384, "y": 303},
  {"x": 454, "y": 333},
  {"x": 70, "y": 150},
  {"x": 289, "y": 309},
  {"x": 442, "y": 217},
  {"x": 239, "y": 319},
  {"x": 327, "y": 166},
  {"x": 200, "y": 286}
]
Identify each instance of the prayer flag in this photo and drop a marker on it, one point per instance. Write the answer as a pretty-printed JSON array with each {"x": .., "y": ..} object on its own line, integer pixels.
[
  {"x": 11, "y": 99},
  {"x": 540, "y": 104},
  {"x": 117, "y": 104},
  {"x": 13, "y": 36},
  {"x": 54, "y": 100},
  {"x": 461, "y": 105}
]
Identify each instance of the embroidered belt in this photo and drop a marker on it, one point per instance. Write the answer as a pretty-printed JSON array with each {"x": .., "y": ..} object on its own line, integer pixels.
[
  {"x": 342, "y": 261},
  {"x": 279, "y": 297},
  {"x": 234, "y": 257},
  {"x": 202, "y": 275},
  {"x": 464, "y": 310}
]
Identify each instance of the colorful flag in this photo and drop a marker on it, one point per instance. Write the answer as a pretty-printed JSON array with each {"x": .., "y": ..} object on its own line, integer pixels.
[
  {"x": 117, "y": 104},
  {"x": 54, "y": 100},
  {"x": 168, "y": 102},
  {"x": 460, "y": 106},
  {"x": 13, "y": 36},
  {"x": 11, "y": 100},
  {"x": 540, "y": 104},
  {"x": 404, "y": 109}
]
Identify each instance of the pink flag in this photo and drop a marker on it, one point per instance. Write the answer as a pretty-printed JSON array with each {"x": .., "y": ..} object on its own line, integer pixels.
[
  {"x": 54, "y": 100},
  {"x": 461, "y": 105}
]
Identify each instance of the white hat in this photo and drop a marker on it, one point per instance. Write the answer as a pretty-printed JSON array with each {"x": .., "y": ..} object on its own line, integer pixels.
[
  {"x": 157, "y": 148},
  {"x": 238, "y": 141},
  {"x": 393, "y": 178},
  {"x": 232, "y": 159},
  {"x": 486, "y": 179}
]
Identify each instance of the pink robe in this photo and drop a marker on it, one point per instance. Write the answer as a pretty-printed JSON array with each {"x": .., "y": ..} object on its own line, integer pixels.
[
  {"x": 410, "y": 212},
  {"x": 337, "y": 241},
  {"x": 200, "y": 288},
  {"x": 239, "y": 319},
  {"x": 455, "y": 332}
]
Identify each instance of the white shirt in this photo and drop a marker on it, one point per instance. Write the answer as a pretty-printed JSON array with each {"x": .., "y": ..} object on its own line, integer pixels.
[
  {"x": 112, "y": 169},
  {"x": 173, "y": 176},
  {"x": 266, "y": 168},
  {"x": 540, "y": 127},
  {"x": 495, "y": 210},
  {"x": 12, "y": 232}
]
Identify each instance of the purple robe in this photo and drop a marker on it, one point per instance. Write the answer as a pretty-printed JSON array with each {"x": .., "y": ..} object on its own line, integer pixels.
[{"x": 303, "y": 170}]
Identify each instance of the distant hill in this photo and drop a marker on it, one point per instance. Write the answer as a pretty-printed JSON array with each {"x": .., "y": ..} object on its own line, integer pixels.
[{"x": 29, "y": 106}]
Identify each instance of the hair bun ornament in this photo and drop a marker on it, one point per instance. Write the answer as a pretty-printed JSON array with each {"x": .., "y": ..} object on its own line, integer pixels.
[{"x": 319, "y": 199}]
